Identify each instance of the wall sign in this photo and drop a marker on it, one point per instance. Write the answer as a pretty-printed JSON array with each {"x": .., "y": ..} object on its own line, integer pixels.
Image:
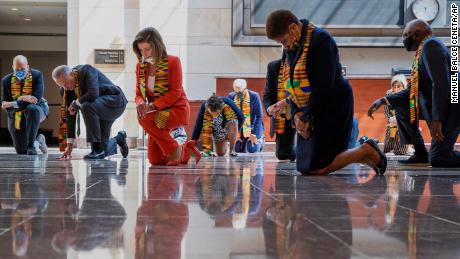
[{"x": 109, "y": 56}]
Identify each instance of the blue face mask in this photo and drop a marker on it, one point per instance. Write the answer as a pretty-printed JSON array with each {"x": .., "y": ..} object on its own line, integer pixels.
[{"x": 20, "y": 74}]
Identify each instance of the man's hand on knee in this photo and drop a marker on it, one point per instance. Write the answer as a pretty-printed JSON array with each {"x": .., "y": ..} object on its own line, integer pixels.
[
  {"x": 28, "y": 99},
  {"x": 7, "y": 105}
]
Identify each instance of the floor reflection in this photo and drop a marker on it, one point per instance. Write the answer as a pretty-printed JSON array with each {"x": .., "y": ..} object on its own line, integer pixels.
[
  {"x": 162, "y": 219},
  {"x": 94, "y": 219},
  {"x": 248, "y": 207},
  {"x": 23, "y": 202}
]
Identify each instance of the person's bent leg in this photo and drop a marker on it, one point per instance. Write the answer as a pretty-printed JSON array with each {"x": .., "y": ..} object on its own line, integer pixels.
[
  {"x": 254, "y": 148},
  {"x": 232, "y": 134},
  {"x": 19, "y": 137},
  {"x": 285, "y": 143},
  {"x": 364, "y": 154},
  {"x": 154, "y": 154},
  {"x": 109, "y": 144},
  {"x": 92, "y": 122},
  {"x": 221, "y": 147},
  {"x": 240, "y": 145},
  {"x": 409, "y": 133},
  {"x": 304, "y": 154},
  {"x": 442, "y": 153},
  {"x": 168, "y": 146},
  {"x": 32, "y": 116}
]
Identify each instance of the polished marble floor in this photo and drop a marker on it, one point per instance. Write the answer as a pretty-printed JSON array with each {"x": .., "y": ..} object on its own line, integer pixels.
[{"x": 245, "y": 207}]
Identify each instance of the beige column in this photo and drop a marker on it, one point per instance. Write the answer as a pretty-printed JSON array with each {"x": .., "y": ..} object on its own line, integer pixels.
[{"x": 106, "y": 24}]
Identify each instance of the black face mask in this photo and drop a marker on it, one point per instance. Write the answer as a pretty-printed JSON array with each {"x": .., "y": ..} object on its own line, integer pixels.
[{"x": 409, "y": 42}]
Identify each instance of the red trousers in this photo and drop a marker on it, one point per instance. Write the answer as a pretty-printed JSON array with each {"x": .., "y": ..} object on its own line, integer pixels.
[{"x": 160, "y": 143}]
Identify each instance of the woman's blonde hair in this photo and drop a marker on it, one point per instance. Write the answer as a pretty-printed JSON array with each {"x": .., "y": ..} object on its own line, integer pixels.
[
  {"x": 152, "y": 36},
  {"x": 399, "y": 78}
]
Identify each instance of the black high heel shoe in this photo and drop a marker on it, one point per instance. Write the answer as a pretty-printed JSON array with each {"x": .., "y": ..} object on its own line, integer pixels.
[{"x": 381, "y": 167}]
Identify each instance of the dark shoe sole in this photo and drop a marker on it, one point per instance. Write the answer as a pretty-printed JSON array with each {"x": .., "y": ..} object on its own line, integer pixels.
[
  {"x": 95, "y": 157},
  {"x": 411, "y": 162}
]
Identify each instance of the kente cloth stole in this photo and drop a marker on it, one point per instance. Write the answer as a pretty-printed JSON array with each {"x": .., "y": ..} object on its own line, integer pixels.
[
  {"x": 297, "y": 88},
  {"x": 63, "y": 127},
  {"x": 17, "y": 92},
  {"x": 246, "y": 109},
  {"x": 414, "y": 95},
  {"x": 285, "y": 114},
  {"x": 161, "y": 88},
  {"x": 206, "y": 131}
]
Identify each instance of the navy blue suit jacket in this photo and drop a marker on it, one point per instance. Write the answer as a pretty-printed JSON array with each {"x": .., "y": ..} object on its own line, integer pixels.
[{"x": 434, "y": 86}]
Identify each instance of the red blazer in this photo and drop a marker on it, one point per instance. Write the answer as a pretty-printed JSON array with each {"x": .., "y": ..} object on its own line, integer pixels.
[
  {"x": 176, "y": 95},
  {"x": 175, "y": 99}
]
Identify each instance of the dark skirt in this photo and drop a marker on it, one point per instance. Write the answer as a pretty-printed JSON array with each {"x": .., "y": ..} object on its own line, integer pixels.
[{"x": 332, "y": 131}]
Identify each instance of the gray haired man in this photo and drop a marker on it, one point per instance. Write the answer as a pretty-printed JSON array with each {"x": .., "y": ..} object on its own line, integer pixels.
[{"x": 101, "y": 102}]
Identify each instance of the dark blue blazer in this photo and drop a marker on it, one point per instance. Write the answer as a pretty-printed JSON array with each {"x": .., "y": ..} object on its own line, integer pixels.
[
  {"x": 200, "y": 118},
  {"x": 94, "y": 83},
  {"x": 38, "y": 88},
  {"x": 257, "y": 122},
  {"x": 434, "y": 86}
]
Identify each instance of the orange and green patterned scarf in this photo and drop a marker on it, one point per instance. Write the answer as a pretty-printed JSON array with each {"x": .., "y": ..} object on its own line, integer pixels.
[
  {"x": 298, "y": 87},
  {"x": 17, "y": 92},
  {"x": 63, "y": 127},
  {"x": 161, "y": 88},
  {"x": 413, "y": 96},
  {"x": 207, "y": 126},
  {"x": 246, "y": 109}
]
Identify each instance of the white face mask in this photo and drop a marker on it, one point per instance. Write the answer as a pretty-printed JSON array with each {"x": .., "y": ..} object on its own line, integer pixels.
[{"x": 148, "y": 60}]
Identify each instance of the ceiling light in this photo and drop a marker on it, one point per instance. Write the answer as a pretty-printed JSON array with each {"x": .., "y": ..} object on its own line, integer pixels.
[
  {"x": 27, "y": 19},
  {"x": 14, "y": 9}
]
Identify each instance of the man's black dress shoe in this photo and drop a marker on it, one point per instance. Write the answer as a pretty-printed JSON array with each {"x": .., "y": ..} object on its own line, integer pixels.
[
  {"x": 121, "y": 141},
  {"x": 415, "y": 159},
  {"x": 95, "y": 155}
]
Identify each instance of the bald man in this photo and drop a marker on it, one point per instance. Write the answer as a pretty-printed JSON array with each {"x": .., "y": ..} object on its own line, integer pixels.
[
  {"x": 26, "y": 108},
  {"x": 251, "y": 136},
  {"x": 428, "y": 98}
]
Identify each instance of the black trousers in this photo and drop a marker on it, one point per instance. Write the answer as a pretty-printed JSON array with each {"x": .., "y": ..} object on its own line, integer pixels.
[
  {"x": 441, "y": 153},
  {"x": 30, "y": 123},
  {"x": 285, "y": 143},
  {"x": 99, "y": 117}
]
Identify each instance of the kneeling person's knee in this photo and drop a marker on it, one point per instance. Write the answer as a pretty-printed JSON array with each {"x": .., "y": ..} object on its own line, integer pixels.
[
  {"x": 85, "y": 107},
  {"x": 32, "y": 108}
]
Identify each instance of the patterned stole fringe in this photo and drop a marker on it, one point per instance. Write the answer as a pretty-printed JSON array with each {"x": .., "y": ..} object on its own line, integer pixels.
[
  {"x": 17, "y": 92},
  {"x": 246, "y": 109},
  {"x": 160, "y": 89},
  {"x": 414, "y": 95},
  {"x": 63, "y": 127},
  {"x": 206, "y": 131}
]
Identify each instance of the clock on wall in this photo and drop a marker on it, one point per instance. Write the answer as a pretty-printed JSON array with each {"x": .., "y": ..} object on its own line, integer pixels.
[{"x": 426, "y": 10}]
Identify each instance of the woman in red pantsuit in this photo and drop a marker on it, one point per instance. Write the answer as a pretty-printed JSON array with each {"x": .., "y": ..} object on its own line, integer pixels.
[{"x": 160, "y": 98}]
